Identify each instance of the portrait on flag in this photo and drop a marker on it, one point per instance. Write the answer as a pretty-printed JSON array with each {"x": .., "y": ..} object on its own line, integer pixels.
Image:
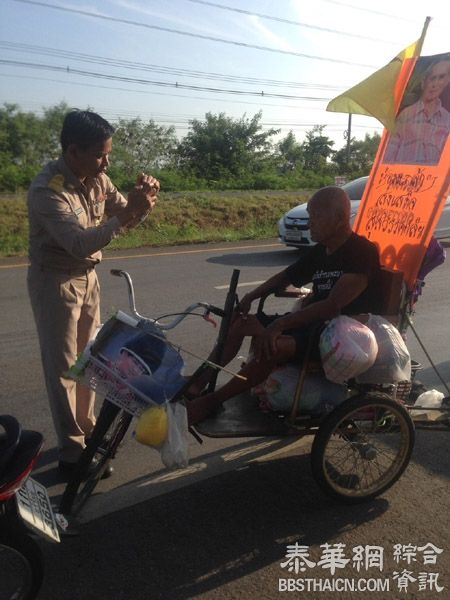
[{"x": 422, "y": 125}]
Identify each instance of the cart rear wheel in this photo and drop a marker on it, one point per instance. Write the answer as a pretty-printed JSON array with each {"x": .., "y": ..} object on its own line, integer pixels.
[
  {"x": 108, "y": 432},
  {"x": 362, "y": 448}
]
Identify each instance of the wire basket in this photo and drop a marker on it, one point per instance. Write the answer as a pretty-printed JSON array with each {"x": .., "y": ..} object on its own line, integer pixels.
[
  {"x": 397, "y": 391},
  {"x": 105, "y": 381},
  {"x": 403, "y": 390},
  {"x": 133, "y": 367},
  {"x": 400, "y": 391}
]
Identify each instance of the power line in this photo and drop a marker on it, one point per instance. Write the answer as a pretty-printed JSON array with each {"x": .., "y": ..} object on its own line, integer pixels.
[
  {"x": 185, "y": 123},
  {"x": 128, "y": 90},
  {"x": 370, "y": 10},
  {"x": 291, "y": 22},
  {"x": 194, "y": 35},
  {"x": 184, "y": 86},
  {"x": 90, "y": 58}
]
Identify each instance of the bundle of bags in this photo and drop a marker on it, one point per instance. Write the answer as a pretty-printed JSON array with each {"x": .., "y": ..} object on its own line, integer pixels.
[{"x": 373, "y": 354}]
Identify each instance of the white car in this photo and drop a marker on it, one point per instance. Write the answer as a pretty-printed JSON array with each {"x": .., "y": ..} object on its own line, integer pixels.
[{"x": 293, "y": 227}]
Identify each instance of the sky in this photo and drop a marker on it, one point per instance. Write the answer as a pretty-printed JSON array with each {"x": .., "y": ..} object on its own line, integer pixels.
[{"x": 175, "y": 60}]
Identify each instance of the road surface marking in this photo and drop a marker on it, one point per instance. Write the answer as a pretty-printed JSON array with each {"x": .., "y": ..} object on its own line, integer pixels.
[
  {"x": 201, "y": 468},
  {"x": 225, "y": 287},
  {"x": 154, "y": 255}
]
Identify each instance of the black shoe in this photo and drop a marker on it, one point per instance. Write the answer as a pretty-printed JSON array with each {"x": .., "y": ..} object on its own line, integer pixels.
[
  {"x": 67, "y": 469},
  {"x": 109, "y": 470}
]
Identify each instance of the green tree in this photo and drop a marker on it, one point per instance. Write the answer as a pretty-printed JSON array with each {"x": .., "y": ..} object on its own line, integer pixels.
[
  {"x": 20, "y": 146},
  {"x": 19, "y": 136},
  {"x": 50, "y": 145},
  {"x": 317, "y": 149},
  {"x": 221, "y": 148},
  {"x": 27, "y": 141},
  {"x": 358, "y": 159},
  {"x": 143, "y": 145},
  {"x": 140, "y": 146},
  {"x": 288, "y": 154}
]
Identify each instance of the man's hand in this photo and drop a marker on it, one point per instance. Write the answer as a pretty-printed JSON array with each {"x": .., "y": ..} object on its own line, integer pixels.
[
  {"x": 148, "y": 184},
  {"x": 265, "y": 345},
  {"x": 141, "y": 200},
  {"x": 244, "y": 305}
]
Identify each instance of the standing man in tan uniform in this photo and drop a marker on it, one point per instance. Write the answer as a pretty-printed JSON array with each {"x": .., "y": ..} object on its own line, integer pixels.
[{"x": 75, "y": 211}]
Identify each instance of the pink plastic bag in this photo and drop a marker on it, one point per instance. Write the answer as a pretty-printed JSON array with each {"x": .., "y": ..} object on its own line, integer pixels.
[{"x": 347, "y": 348}]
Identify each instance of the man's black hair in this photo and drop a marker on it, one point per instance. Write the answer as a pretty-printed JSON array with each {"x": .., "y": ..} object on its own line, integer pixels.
[{"x": 84, "y": 128}]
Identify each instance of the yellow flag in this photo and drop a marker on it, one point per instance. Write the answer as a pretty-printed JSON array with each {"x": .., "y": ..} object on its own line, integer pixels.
[{"x": 380, "y": 94}]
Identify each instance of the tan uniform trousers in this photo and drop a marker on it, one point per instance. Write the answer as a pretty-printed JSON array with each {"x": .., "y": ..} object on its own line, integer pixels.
[{"x": 66, "y": 308}]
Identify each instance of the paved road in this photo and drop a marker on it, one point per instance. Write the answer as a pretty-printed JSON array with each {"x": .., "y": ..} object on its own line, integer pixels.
[{"x": 221, "y": 528}]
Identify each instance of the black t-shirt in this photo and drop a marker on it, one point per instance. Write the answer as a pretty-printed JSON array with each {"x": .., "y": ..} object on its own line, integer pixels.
[{"x": 356, "y": 255}]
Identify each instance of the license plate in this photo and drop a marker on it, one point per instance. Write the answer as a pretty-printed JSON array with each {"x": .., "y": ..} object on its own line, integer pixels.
[
  {"x": 35, "y": 509},
  {"x": 294, "y": 236}
]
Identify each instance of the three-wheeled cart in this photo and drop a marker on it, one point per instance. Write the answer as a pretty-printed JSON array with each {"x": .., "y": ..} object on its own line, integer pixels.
[{"x": 360, "y": 448}]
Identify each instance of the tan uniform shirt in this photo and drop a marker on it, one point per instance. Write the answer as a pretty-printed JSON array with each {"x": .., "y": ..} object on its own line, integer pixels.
[{"x": 66, "y": 216}]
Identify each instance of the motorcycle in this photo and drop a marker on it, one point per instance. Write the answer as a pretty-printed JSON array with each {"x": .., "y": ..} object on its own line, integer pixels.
[{"x": 24, "y": 508}]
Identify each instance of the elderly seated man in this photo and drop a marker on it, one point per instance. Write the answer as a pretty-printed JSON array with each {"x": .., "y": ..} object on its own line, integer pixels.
[{"x": 343, "y": 268}]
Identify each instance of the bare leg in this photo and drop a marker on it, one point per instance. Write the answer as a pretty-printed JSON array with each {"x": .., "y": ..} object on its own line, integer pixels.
[
  {"x": 254, "y": 371},
  {"x": 240, "y": 328}
]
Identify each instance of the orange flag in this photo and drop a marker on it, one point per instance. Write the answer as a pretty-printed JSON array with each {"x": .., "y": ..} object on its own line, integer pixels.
[{"x": 410, "y": 177}]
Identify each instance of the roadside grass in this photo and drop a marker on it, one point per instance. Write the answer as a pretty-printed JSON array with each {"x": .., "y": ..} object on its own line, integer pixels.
[{"x": 179, "y": 218}]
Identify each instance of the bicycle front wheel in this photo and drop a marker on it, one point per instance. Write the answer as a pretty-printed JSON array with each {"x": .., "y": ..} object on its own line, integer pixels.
[
  {"x": 109, "y": 430},
  {"x": 362, "y": 448}
]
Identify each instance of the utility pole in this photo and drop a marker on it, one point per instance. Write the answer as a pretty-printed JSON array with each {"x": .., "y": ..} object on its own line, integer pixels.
[{"x": 349, "y": 138}]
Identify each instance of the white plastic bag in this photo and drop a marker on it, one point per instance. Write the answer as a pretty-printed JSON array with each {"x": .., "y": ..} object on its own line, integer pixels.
[
  {"x": 393, "y": 362},
  {"x": 429, "y": 399},
  {"x": 318, "y": 394},
  {"x": 175, "y": 450},
  {"x": 347, "y": 348}
]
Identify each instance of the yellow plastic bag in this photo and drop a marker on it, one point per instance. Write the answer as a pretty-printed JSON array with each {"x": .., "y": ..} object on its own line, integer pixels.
[{"x": 152, "y": 426}]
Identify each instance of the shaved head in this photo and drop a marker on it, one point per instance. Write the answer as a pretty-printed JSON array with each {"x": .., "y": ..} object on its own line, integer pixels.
[
  {"x": 332, "y": 199},
  {"x": 329, "y": 216}
]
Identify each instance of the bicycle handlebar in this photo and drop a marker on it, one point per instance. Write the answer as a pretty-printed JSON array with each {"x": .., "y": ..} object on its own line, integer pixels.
[{"x": 209, "y": 308}]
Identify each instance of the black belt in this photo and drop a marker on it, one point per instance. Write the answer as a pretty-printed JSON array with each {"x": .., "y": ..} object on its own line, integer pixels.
[{"x": 78, "y": 272}]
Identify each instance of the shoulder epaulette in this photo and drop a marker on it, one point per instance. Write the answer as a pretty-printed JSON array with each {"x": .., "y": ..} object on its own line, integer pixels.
[{"x": 56, "y": 183}]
